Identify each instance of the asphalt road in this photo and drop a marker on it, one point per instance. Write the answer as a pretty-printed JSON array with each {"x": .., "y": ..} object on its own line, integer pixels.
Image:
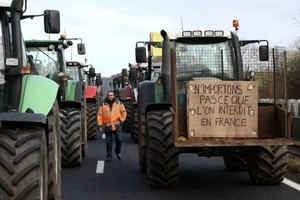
[{"x": 200, "y": 178}]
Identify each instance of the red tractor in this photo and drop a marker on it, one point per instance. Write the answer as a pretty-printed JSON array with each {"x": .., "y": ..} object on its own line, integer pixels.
[{"x": 94, "y": 97}]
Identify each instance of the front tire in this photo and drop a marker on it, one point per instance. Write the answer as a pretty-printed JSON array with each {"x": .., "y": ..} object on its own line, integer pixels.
[
  {"x": 267, "y": 165},
  {"x": 23, "y": 164},
  {"x": 235, "y": 163},
  {"x": 162, "y": 155},
  {"x": 71, "y": 137},
  {"x": 54, "y": 164},
  {"x": 92, "y": 121},
  {"x": 134, "y": 125}
]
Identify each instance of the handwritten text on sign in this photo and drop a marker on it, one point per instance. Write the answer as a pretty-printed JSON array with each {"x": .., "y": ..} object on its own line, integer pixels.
[{"x": 222, "y": 108}]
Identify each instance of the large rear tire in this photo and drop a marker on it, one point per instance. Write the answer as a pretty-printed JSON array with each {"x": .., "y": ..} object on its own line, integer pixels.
[
  {"x": 84, "y": 127},
  {"x": 92, "y": 121},
  {"x": 128, "y": 123},
  {"x": 235, "y": 163},
  {"x": 142, "y": 148},
  {"x": 162, "y": 155},
  {"x": 71, "y": 137},
  {"x": 54, "y": 164},
  {"x": 268, "y": 164},
  {"x": 134, "y": 125},
  {"x": 23, "y": 164}
]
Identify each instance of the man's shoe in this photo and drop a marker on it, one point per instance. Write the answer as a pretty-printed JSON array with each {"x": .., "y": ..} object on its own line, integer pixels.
[
  {"x": 108, "y": 159},
  {"x": 119, "y": 156}
]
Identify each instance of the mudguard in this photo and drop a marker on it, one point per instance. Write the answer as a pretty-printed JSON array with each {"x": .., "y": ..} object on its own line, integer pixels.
[
  {"x": 38, "y": 93},
  {"x": 149, "y": 93},
  {"x": 73, "y": 91},
  {"x": 71, "y": 104},
  {"x": 90, "y": 92},
  {"x": 16, "y": 119},
  {"x": 127, "y": 94}
]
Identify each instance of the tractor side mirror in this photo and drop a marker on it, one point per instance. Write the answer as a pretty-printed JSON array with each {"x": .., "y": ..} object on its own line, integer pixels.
[
  {"x": 92, "y": 72},
  {"x": 98, "y": 79},
  {"x": 52, "y": 21},
  {"x": 263, "y": 52},
  {"x": 124, "y": 72},
  {"x": 81, "y": 48},
  {"x": 140, "y": 54}
]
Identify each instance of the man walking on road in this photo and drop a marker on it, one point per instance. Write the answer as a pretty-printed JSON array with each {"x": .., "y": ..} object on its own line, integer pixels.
[{"x": 111, "y": 115}]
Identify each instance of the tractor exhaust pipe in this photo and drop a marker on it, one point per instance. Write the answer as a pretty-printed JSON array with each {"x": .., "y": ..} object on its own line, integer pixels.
[{"x": 166, "y": 66}]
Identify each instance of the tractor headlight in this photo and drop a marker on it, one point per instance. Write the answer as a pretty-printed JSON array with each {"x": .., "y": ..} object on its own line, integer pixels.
[
  {"x": 156, "y": 74},
  {"x": 197, "y": 33},
  {"x": 60, "y": 74},
  {"x": 186, "y": 33},
  {"x": 51, "y": 47},
  {"x": 219, "y": 33},
  {"x": 60, "y": 46},
  {"x": 209, "y": 33},
  {"x": 12, "y": 62}
]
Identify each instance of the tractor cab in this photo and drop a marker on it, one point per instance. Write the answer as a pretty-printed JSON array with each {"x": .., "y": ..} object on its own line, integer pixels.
[
  {"x": 47, "y": 56},
  {"x": 75, "y": 70}
]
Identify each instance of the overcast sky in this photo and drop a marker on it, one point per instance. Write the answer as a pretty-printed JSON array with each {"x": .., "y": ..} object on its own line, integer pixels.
[{"x": 110, "y": 29}]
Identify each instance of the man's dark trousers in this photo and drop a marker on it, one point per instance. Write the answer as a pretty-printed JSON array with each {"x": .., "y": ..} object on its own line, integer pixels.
[{"x": 109, "y": 140}]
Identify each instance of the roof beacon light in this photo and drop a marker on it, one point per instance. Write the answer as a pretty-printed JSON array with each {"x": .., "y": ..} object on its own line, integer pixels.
[
  {"x": 235, "y": 23},
  {"x": 62, "y": 36},
  {"x": 186, "y": 33}
]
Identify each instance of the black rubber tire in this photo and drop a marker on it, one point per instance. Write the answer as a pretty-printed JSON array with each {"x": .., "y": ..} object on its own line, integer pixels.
[
  {"x": 235, "y": 163},
  {"x": 92, "y": 121},
  {"x": 23, "y": 164},
  {"x": 267, "y": 165},
  {"x": 135, "y": 125},
  {"x": 84, "y": 127},
  {"x": 162, "y": 155},
  {"x": 128, "y": 122},
  {"x": 71, "y": 147},
  {"x": 143, "y": 152},
  {"x": 54, "y": 155}
]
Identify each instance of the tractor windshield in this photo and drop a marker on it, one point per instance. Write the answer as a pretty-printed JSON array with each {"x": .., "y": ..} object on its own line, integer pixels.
[
  {"x": 210, "y": 61},
  {"x": 46, "y": 61},
  {"x": 202, "y": 61},
  {"x": 73, "y": 73}
]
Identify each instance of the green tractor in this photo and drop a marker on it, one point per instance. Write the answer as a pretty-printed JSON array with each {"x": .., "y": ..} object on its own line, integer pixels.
[
  {"x": 93, "y": 92},
  {"x": 49, "y": 59},
  {"x": 209, "y": 108},
  {"x": 29, "y": 116}
]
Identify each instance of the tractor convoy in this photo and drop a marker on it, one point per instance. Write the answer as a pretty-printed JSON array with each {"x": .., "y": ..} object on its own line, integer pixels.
[{"x": 192, "y": 97}]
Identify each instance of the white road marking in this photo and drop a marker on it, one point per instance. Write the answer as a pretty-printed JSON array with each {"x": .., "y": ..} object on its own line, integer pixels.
[
  {"x": 103, "y": 136},
  {"x": 100, "y": 167},
  {"x": 291, "y": 184}
]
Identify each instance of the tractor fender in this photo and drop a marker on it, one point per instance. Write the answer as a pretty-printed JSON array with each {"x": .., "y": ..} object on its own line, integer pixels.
[
  {"x": 158, "y": 106},
  {"x": 127, "y": 93},
  {"x": 38, "y": 93},
  {"x": 90, "y": 91},
  {"x": 71, "y": 104},
  {"x": 149, "y": 93},
  {"x": 74, "y": 91},
  {"x": 91, "y": 100}
]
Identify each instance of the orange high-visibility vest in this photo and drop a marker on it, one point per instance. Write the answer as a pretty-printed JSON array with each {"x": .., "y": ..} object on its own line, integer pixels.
[{"x": 111, "y": 117}]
